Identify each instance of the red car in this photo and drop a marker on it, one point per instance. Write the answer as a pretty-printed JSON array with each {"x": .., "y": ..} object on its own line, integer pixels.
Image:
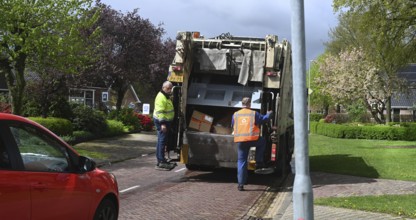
[{"x": 42, "y": 177}]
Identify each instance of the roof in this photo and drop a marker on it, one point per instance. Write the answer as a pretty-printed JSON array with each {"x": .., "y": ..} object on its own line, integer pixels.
[
  {"x": 404, "y": 100},
  {"x": 409, "y": 73}
]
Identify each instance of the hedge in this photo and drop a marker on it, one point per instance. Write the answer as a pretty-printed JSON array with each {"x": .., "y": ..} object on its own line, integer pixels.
[
  {"x": 379, "y": 132},
  {"x": 59, "y": 126}
]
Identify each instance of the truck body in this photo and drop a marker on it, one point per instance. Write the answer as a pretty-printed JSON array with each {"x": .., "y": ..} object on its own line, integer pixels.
[{"x": 210, "y": 77}]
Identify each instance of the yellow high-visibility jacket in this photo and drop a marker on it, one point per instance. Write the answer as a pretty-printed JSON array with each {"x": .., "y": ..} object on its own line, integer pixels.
[{"x": 163, "y": 108}]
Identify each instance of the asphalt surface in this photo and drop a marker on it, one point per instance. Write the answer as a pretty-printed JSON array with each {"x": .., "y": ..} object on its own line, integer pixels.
[{"x": 276, "y": 202}]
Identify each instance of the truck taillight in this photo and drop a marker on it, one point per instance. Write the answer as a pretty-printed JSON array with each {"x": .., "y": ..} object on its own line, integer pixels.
[
  {"x": 177, "y": 68},
  {"x": 271, "y": 73},
  {"x": 274, "y": 150},
  {"x": 195, "y": 34}
]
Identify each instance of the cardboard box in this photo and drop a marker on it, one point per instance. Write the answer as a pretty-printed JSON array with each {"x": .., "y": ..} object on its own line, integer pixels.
[{"x": 201, "y": 121}]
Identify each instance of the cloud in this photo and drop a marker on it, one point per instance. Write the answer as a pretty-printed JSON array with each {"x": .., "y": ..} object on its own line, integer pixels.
[{"x": 255, "y": 18}]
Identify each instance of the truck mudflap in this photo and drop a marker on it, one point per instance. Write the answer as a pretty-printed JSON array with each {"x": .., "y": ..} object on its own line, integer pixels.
[{"x": 211, "y": 150}]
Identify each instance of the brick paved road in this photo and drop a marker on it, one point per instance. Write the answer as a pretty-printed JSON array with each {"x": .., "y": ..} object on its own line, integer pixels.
[{"x": 147, "y": 193}]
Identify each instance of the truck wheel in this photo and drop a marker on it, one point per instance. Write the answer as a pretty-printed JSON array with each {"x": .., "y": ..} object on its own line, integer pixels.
[{"x": 192, "y": 167}]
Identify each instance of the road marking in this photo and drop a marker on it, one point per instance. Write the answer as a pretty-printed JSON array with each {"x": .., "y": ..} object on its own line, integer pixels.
[
  {"x": 131, "y": 188},
  {"x": 180, "y": 170}
]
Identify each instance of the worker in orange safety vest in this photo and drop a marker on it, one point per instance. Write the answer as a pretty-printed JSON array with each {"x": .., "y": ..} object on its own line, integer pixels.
[{"x": 245, "y": 123}]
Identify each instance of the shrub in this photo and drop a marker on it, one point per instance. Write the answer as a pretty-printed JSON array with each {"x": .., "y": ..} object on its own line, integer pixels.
[
  {"x": 88, "y": 119},
  {"x": 59, "y": 126},
  {"x": 5, "y": 108},
  {"x": 379, "y": 132},
  {"x": 61, "y": 108},
  {"x": 356, "y": 111},
  {"x": 337, "y": 118},
  {"x": 127, "y": 116},
  {"x": 114, "y": 127},
  {"x": 315, "y": 117},
  {"x": 146, "y": 122}
]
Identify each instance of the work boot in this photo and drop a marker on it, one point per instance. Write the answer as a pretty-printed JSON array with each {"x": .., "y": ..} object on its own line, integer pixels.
[
  {"x": 240, "y": 187},
  {"x": 165, "y": 166}
]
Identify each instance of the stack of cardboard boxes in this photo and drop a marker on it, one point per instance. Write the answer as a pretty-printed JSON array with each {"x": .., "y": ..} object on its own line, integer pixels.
[{"x": 203, "y": 122}]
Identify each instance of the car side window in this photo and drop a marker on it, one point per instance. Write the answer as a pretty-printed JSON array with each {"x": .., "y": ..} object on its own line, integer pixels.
[
  {"x": 4, "y": 157},
  {"x": 38, "y": 151}
]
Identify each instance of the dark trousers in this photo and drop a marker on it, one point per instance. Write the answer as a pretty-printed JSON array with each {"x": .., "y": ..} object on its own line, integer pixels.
[
  {"x": 243, "y": 150},
  {"x": 162, "y": 140}
]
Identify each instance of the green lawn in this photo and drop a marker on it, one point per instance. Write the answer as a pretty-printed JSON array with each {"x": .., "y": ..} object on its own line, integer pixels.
[{"x": 368, "y": 158}]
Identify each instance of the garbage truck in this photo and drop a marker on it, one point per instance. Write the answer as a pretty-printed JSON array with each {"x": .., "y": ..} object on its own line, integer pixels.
[{"x": 210, "y": 78}]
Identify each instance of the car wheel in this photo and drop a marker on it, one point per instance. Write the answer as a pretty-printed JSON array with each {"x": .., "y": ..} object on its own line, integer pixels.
[{"x": 106, "y": 211}]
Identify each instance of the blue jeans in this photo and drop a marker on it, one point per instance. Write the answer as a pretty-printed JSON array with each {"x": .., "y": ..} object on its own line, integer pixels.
[
  {"x": 243, "y": 150},
  {"x": 162, "y": 140}
]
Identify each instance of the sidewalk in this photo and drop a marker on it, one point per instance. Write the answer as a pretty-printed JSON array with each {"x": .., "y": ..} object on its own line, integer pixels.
[{"x": 335, "y": 185}]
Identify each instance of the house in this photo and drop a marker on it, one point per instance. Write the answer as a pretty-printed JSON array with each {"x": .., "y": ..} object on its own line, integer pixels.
[
  {"x": 103, "y": 98},
  {"x": 403, "y": 105},
  {"x": 92, "y": 96}
]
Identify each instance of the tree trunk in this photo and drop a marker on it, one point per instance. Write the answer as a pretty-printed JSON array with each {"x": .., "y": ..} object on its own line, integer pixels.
[
  {"x": 325, "y": 110},
  {"x": 374, "y": 112},
  {"x": 120, "y": 96},
  {"x": 15, "y": 82},
  {"x": 388, "y": 109},
  {"x": 338, "y": 108}
]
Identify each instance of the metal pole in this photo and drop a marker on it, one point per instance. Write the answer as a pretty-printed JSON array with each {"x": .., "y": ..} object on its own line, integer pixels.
[{"x": 302, "y": 187}]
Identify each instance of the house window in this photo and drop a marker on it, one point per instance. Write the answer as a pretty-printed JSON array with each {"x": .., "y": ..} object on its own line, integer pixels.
[{"x": 82, "y": 96}]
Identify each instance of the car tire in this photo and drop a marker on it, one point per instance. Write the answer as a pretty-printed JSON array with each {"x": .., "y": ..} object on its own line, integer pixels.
[{"x": 106, "y": 211}]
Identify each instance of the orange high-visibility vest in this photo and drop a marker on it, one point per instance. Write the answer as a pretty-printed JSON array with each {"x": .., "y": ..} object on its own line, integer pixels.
[{"x": 245, "y": 128}]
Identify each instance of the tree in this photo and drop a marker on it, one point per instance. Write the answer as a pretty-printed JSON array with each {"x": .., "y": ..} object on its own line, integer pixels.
[
  {"x": 352, "y": 78},
  {"x": 158, "y": 72},
  {"x": 43, "y": 89},
  {"x": 42, "y": 33},
  {"x": 385, "y": 30},
  {"x": 130, "y": 48},
  {"x": 318, "y": 97}
]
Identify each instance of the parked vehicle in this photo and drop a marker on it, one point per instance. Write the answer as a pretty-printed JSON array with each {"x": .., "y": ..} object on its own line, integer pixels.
[
  {"x": 211, "y": 76},
  {"x": 42, "y": 177}
]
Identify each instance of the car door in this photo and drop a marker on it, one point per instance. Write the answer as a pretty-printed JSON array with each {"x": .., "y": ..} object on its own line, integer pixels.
[
  {"x": 14, "y": 190},
  {"x": 57, "y": 190}
]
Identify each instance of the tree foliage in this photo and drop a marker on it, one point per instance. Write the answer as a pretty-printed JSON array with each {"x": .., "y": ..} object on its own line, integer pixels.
[
  {"x": 384, "y": 30},
  {"x": 319, "y": 98},
  {"x": 352, "y": 78},
  {"x": 148, "y": 89},
  {"x": 35, "y": 34},
  {"x": 130, "y": 50}
]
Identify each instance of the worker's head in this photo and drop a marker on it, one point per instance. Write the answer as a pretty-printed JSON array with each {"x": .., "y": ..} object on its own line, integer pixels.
[
  {"x": 167, "y": 87},
  {"x": 246, "y": 102}
]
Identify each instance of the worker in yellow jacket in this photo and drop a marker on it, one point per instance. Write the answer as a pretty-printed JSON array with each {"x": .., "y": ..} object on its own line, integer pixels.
[
  {"x": 163, "y": 116},
  {"x": 245, "y": 123}
]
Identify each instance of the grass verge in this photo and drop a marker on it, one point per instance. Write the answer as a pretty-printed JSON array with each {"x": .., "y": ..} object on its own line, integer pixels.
[
  {"x": 400, "y": 205},
  {"x": 368, "y": 158}
]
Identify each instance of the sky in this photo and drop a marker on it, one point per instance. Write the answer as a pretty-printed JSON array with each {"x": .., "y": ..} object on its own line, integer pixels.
[{"x": 248, "y": 18}]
